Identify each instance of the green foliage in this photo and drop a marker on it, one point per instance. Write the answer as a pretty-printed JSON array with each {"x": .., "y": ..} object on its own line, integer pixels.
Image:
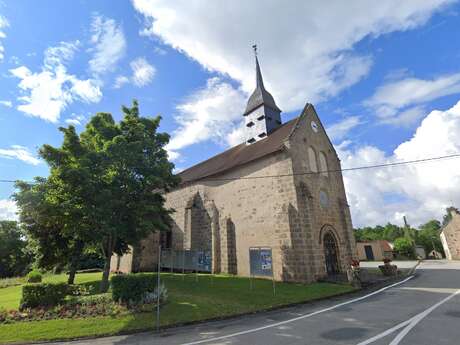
[
  {"x": 131, "y": 288},
  {"x": 429, "y": 236},
  {"x": 34, "y": 277},
  {"x": 388, "y": 232},
  {"x": 105, "y": 188},
  {"x": 43, "y": 295},
  {"x": 14, "y": 257},
  {"x": 404, "y": 247}
]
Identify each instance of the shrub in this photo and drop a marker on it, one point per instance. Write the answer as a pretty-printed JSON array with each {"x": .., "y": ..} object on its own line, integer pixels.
[
  {"x": 34, "y": 277},
  {"x": 43, "y": 295},
  {"x": 131, "y": 288}
]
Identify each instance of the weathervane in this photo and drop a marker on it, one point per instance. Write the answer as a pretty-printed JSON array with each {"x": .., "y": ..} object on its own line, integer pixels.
[{"x": 254, "y": 46}]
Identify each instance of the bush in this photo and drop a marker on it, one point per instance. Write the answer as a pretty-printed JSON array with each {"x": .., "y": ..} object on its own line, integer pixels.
[
  {"x": 34, "y": 277},
  {"x": 404, "y": 247},
  {"x": 131, "y": 288},
  {"x": 43, "y": 295}
]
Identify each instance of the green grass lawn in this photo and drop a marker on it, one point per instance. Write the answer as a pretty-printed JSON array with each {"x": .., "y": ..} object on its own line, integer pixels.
[{"x": 188, "y": 301}]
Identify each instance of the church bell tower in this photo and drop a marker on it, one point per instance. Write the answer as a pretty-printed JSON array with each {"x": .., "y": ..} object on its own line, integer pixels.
[{"x": 262, "y": 115}]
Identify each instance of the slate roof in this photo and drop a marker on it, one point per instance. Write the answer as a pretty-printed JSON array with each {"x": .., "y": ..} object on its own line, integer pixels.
[
  {"x": 239, "y": 155},
  {"x": 260, "y": 96}
]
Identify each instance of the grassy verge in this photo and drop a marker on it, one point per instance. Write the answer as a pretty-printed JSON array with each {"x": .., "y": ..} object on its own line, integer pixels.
[{"x": 189, "y": 300}]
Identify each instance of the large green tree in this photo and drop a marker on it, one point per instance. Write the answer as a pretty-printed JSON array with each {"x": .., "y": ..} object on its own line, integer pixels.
[
  {"x": 14, "y": 257},
  {"x": 117, "y": 174}
]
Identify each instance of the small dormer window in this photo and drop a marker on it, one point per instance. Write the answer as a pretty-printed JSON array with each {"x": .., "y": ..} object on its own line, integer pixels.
[
  {"x": 262, "y": 135},
  {"x": 250, "y": 124},
  {"x": 252, "y": 140},
  {"x": 261, "y": 117}
]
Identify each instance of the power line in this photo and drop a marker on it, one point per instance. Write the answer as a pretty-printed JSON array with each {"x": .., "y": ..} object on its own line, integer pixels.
[{"x": 375, "y": 166}]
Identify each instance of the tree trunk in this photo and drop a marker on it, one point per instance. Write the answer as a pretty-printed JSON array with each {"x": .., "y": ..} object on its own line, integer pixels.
[
  {"x": 72, "y": 272},
  {"x": 107, "y": 250},
  {"x": 105, "y": 274},
  {"x": 74, "y": 262}
]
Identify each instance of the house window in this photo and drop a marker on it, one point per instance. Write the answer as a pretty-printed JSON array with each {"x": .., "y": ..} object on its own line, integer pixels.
[
  {"x": 323, "y": 164},
  {"x": 262, "y": 135},
  {"x": 312, "y": 159},
  {"x": 250, "y": 124},
  {"x": 261, "y": 117}
]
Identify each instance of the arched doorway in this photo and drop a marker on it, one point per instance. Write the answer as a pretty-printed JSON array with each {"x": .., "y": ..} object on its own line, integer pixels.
[{"x": 331, "y": 254}]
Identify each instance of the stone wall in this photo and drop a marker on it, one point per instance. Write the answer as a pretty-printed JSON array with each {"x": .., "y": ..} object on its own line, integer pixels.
[
  {"x": 450, "y": 237},
  {"x": 313, "y": 216}
]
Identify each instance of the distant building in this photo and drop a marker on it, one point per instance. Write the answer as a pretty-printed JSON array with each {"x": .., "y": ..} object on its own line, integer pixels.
[
  {"x": 420, "y": 252},
  {"x": 374, "y": 250},
  {"x": 281, "y": 188},
  {"x": 450, "y": 237}
]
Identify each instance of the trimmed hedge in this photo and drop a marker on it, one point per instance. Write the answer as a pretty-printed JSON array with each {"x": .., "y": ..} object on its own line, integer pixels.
[
  {"x": 34, "y": 277},
  {"x": 43, "y": 295},
  {"x": 131, "y": 288}
]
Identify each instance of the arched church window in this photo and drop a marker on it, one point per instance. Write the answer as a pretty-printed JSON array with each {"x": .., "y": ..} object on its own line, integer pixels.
[
  {"x": 312, "y": 159},
  {"x": 323, "y": 164}
]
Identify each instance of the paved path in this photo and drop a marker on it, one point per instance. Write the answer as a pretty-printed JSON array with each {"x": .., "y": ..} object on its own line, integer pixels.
[{"x": 423, "y": 310}]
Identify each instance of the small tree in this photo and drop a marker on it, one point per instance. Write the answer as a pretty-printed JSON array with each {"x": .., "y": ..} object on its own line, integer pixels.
[
  {"x": 14, "y": 257},
  {"x": 50, "y": 219},
  {"x": 404, "y": 247}
]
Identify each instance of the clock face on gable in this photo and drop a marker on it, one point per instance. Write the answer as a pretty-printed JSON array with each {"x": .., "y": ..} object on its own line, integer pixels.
[{"x": 314, "y": 126}]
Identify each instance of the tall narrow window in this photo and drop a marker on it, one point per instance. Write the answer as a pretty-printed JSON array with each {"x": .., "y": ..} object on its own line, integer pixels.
[
  {"x": 323, "y": 164},
  {"x": 312, "y": 160}
]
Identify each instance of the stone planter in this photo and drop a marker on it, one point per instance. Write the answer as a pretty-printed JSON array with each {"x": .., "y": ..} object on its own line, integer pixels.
[{"x": 389, "y": 270}]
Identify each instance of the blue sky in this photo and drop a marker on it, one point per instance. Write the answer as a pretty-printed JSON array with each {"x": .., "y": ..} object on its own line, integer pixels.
[{"x": 384, "y": 78}]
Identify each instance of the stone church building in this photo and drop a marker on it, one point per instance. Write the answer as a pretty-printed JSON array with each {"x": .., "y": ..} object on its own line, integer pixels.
[
  {"x": 450, "y": 237},
  {"x": 282, "y": 188}
]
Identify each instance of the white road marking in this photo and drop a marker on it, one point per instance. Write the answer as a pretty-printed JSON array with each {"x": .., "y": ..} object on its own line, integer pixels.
[
  {"x": 408, "y": 324},
  {"x": 299, "y": 317}
]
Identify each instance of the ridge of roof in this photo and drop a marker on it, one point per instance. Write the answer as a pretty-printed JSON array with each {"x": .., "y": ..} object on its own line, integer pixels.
[{"x": 239, "y": 155}]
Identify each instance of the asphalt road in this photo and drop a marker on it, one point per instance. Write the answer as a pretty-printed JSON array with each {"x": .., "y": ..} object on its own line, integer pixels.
[{"x": 424, "y": 309}]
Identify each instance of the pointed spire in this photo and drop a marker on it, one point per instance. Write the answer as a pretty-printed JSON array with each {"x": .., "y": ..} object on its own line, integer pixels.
[
  {"x": 260, "y": 96},
  {"x": 259, "y": 79}
]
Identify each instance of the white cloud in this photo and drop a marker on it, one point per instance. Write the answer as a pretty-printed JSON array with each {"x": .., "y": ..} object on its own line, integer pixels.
[
  {"x": 143, "y": 72},
  {"x": 8, "y": 210},
  {"x": 209, "y": 113},
  {"x": 109, "y": 44},
  {"x": 420, "y": 191},
  {"x": 21, "y": 153},
  {"x": 75, "y": 120},
  {"x": 47, "y": 93},
  {"x": 340, "y": 129},
  {"x": 8, "y": 104},
  {"x": 3, "y": 24},
  {"x": 306, "y": 47},
  {"x": 398, "y": 101},
  {"x": 120, "y": 81}
]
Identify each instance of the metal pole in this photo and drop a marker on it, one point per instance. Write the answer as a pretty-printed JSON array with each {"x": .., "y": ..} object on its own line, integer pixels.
[
  {"x": 158, "y": 288},
  {"x": 183, "y": 265},
  {"x": 273, "y": 274}
]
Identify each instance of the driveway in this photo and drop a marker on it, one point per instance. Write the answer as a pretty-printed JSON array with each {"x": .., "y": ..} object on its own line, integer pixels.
[{"x": 424, "y": 309}]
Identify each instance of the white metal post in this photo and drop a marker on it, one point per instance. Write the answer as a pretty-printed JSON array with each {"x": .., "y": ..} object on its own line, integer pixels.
[{"x": 158, "y": 288}]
